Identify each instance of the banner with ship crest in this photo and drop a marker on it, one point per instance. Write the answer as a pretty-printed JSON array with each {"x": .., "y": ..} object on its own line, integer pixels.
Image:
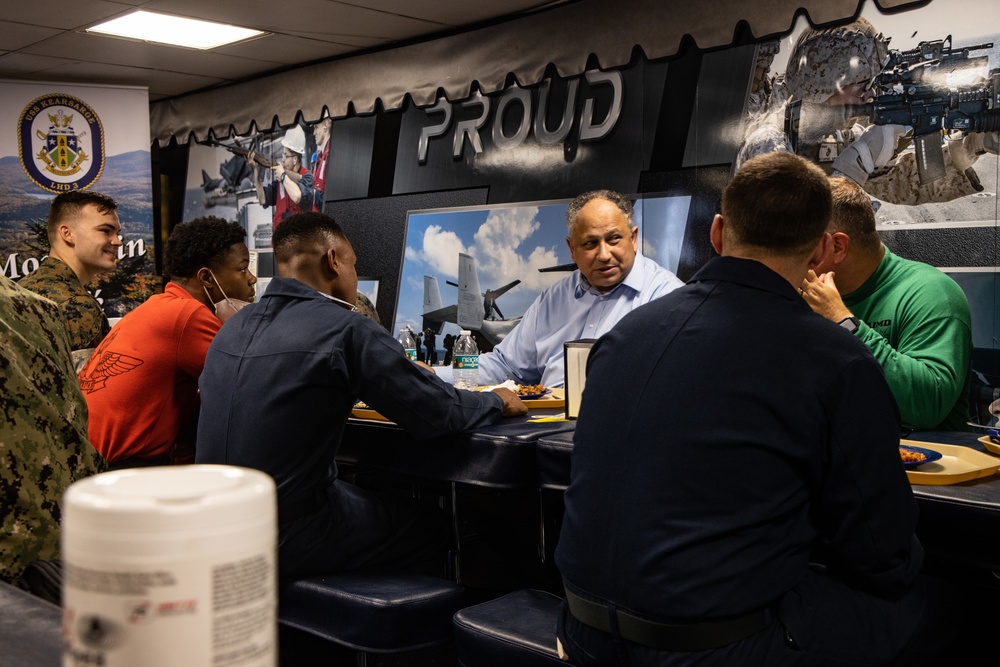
[{"x": 62, "y": 137}]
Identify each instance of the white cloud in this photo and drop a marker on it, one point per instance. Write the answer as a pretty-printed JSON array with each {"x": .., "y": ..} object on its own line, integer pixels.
[
  {"x": 440, "y": 252},
  {"x": 499, "y": 252}
]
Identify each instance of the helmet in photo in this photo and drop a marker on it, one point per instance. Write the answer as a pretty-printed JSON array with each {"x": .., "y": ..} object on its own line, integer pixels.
[
  {"x": 295, "y": 140},
  {"x": 824, "y": 62}
]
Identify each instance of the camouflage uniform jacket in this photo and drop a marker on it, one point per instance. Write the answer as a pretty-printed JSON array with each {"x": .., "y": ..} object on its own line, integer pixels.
[
  {"x": 43, "y": 433},
  {"x": 83, "y": 316},
  {"x": 367, "y": 308},
  {"x": 897, "y": 183}
]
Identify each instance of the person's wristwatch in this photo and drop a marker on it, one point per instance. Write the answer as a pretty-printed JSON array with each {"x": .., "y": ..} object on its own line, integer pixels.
[
  {"x": 850, "y": 323},
  {"x": 282, "y": 178}
]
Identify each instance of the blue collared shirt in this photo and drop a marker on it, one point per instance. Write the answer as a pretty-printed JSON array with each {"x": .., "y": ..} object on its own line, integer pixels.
[{"x": 569, "y": 310}]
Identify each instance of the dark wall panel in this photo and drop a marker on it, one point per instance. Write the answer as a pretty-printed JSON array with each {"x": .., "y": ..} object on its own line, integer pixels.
[{"x": 377, "y": 229}]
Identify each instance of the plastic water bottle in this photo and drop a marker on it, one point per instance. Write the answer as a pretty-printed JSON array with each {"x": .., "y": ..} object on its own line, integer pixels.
[
  {"x": 405, "y": 339},
  {"x": 465, "y": 362}
]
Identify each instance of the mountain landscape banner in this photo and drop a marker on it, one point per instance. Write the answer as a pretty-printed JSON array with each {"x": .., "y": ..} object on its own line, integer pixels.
[{"x": 60, "y": 137}]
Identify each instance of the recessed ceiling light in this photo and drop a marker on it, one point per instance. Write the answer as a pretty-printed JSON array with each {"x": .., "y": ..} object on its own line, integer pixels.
[{"x": 174, "y": 30}]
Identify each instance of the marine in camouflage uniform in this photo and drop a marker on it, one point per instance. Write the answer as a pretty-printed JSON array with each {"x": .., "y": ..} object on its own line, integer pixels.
[
  {"x": 761, "y": 85},
  {"x": 83, "y": 317},
  {"x": 43, "y": 434},
  {"x": 822, "y": 64}
]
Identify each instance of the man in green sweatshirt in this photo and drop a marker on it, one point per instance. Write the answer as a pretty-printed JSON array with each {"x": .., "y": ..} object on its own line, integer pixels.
[{"x": 913, "y": 317}]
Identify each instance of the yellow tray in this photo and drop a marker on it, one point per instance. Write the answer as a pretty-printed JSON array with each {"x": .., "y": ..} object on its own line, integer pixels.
[
  {"x": 557, "y": 399},
  {"x": 368, "y": 413},
  {"x": 957, "y": 464},
  {"x": 989, "y": 444}
]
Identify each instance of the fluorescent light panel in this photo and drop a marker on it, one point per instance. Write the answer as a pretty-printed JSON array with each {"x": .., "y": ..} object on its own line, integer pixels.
[{"x": 174, "y": 30}]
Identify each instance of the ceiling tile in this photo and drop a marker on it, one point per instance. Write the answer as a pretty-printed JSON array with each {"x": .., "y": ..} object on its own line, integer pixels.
[
  {"x": 301, "y": 16},
  {"x": 42, "y": 68},
  {"x": 65, "y": 15},
  {"x": 14, "y": 36},
  {"x": 112, "y": 51},
  {"x": 286, "y": 49},
  {"x": 20, "y": 64},
  {"x": 451, "y": 13},
  {"x": 46, "y": 40}
]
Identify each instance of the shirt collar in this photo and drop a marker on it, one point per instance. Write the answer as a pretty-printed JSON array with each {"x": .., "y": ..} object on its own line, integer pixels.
[
  {"x": 62, "y": 270},
  {"x": 633, "y": 281},
  {"x": 747, "y": 272},
  {"x": 867, "y": 288},
  {"x": 339, "y": 302}
]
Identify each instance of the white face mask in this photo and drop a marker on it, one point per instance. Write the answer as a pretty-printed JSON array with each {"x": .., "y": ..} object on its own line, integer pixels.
[{"x": 227, "y": 307}]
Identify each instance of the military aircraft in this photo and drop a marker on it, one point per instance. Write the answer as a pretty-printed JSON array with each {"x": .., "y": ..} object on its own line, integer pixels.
[
  {"x": 475, "y": 310},
  {"x": 209, "y": 184},
  {"x": 234, "y": 177}
]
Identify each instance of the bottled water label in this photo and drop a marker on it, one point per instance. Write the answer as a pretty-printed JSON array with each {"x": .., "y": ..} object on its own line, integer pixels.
[
  {"x": 466, "y": 362},
  {"x": 405, "y": 339}
]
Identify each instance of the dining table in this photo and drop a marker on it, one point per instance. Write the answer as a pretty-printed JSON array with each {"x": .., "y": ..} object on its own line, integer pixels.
[
  {"x": 30, "y": 629},
  {"x": 959, "y": 523},
  {"x": 502, "y": 455}
]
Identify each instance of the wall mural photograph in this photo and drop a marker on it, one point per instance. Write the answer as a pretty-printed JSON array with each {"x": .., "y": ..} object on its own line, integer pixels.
[
  {"x": 500, "y": 258},
  {"x": 73, "y": 138},
  {"x": 670, "y": 125}
]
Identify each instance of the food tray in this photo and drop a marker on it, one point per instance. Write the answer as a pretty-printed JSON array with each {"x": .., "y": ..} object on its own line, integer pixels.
[
  {"x": 957, "y": 464},
  {"x": 555, "y": 399},
  {"x": 989, "y": 444},
  {"x": 368, "y": 413}
]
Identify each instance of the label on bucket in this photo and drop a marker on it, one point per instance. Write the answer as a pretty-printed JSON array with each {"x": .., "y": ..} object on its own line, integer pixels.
[{"x": 211, "y": 613}]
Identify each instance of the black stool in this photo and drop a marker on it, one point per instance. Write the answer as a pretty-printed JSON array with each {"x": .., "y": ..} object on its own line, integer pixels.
[
  {"x": 373, "y": 612},
  {"x": 516, "y": 629}
]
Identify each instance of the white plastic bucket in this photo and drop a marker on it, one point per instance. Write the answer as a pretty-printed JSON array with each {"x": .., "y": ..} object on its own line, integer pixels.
[{"x": 171, "y": 565}]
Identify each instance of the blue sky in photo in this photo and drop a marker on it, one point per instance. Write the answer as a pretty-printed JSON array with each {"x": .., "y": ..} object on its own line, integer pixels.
[{"x": 511, "y": 242}]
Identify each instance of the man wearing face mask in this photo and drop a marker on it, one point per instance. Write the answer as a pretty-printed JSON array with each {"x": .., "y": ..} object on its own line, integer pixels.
[{"x": 141, "y": 384}]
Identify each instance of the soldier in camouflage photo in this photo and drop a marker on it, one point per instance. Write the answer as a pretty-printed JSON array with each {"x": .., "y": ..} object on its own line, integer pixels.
[
  {"x": 812, "y": 110},
  {"x": 43, "y": 436},
  {"x": 83, "y": 230}
]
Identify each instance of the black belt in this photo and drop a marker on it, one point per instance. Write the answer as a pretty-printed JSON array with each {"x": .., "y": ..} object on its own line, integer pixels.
[
  {"x": 291, "y": 509},
  {"x": 700, "y": 636}
]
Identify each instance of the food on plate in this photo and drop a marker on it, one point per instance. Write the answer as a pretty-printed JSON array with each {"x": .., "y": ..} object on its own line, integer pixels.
[
  {"x": 530, "y": 389},
  {"x": 909, "y": 456}
]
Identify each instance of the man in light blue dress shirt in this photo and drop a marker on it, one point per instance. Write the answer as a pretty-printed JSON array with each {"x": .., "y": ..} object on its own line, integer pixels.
[{"x": 611, "y": 280}]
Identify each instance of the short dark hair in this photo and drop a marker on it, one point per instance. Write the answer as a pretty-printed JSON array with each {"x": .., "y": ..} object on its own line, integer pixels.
[
  {"x": 853, "y": 214},
  {"x": 69, "y": 204},
  {"x": 200, "y": 242},
  {"x": 623, "y": 203},
  {"x": 297, "y": 231},
  {"x": 778, "y": 202}
]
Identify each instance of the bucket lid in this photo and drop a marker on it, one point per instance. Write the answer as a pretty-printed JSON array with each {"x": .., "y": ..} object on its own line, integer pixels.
[{"x": 144, "y": 500}]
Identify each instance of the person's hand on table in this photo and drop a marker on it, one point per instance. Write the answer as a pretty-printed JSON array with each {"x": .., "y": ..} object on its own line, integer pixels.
[
  {"x": 512, "y": 405},
  {"x": 820, "y": 292}
]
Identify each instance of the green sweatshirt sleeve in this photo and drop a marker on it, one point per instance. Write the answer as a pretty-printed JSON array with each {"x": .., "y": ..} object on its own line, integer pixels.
[{"x": 928, "y": 372}]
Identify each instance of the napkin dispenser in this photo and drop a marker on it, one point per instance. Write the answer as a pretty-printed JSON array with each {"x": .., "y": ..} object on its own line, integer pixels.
[{"x": 575, "y": 353}]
